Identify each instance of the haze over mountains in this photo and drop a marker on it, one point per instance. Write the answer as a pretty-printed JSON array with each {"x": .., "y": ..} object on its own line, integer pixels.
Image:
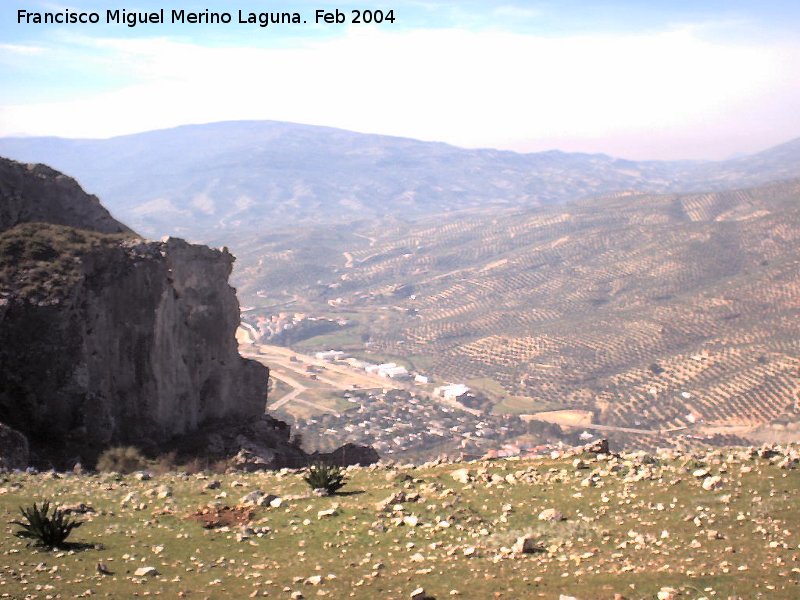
[
  {"x": 203, "y": 181},
  {"x": 647, "y": 294}
]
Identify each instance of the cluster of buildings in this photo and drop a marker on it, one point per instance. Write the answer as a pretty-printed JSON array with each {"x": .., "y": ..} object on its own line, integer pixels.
[
  {"x": 388, "y": 370},
  {"x": 404, "y": 425},
  {"x": 285, "y": 328}
]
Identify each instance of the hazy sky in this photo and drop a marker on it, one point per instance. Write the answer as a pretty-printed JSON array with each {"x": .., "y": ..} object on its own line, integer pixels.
[{"x": 656, "y": 79}]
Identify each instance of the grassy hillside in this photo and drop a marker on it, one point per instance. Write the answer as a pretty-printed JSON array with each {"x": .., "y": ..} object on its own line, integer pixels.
[{"x": 714, "y": 524}]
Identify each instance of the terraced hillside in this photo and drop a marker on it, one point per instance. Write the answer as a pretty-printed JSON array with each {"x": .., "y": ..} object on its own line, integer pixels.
[{"x": 651, "y": 311}]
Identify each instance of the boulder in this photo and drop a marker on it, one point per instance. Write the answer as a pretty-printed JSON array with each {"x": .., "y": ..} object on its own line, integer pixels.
[
  {"x": 597, "y": 447},
  {"x": 712, "y": 483},
  {"x": 551, "y": 514},
  {"x": 525, "y": 545},
  {"x": 347, "y": 455},
  {"x": 461, "y": 476},
  {"x": 14, "y": 452}
]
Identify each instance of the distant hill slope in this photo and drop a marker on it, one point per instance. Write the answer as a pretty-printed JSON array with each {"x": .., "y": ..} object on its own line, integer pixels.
[
  {"x": 643, "y": 308},
  {"x": 205, "y": 181}
]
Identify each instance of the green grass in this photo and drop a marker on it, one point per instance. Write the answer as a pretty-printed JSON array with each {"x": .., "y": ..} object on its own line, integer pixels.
[
  {"x": 520, "y": 405},
  {"x": 381, "y": 358},
  {"x": 611, "y": 541},
  {"x": 421, "y": 363},
  {"x": 488, "y": 386},
  {"x": 337, "y": 340},
  {"x": 39, "y": 260}
]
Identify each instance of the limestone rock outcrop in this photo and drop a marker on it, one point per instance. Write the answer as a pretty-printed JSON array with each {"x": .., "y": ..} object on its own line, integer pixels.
[
  {"x": 110, "y": 340},
  {"x": 14, "y": 452},
  {"x": 107, "y": 339},
  {"x": 37, "y": 193}
]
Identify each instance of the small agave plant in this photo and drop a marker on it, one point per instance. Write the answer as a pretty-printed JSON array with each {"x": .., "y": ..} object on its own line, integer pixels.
[
  {"x": 325, "y": 478},
  {"x": 49, "y": 529}
]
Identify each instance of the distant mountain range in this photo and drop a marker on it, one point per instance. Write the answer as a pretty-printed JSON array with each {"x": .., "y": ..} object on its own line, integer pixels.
[{"x": 206, "y": 181}]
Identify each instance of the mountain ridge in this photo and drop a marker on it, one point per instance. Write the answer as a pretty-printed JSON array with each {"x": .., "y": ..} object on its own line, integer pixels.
[{"x": 219, "y": 178}]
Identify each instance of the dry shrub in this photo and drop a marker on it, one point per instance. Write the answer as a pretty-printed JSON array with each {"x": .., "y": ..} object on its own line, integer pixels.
[
  {"x": 122, "y": 459},
  {"x": 165, "y": 463}
]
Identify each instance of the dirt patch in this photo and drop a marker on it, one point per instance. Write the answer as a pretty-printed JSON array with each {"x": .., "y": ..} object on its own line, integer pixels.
[
  {"x": 224, "y": 516},
  {"x": 569, "y": 418}
]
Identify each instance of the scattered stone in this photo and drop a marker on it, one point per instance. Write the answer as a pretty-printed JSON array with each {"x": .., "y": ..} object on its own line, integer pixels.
[
  {"x": 390, "y": 501},
  {"x": 551, "y": 514},
  {"x": 418, "y": 594},
  {"x": 524, "y": 545},
  {"x": 103, "y": 569},
  {"x": 252, "y": 498},
  {"x": 331, "y": 512},
  {"x": 461, "y": 475},
  {"x": 597, "y": 447},
  {"x": 77, "y": 509},
  {"x": 146, "y": 572},
  {"x": 411, "y": 520}
]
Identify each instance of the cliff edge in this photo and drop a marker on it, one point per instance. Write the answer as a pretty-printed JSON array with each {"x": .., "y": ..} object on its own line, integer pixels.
[{"x": 106, "y": 339}]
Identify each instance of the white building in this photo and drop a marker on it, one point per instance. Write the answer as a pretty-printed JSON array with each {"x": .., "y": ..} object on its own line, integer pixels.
[
  {"x": 453, "y": 390},
  {"x": 395, "y": 372},
  {"x": 329, "y": 355},
  {"x": 356, "y": 363}
]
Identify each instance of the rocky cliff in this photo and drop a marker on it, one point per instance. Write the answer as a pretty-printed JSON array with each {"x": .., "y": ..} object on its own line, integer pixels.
[
  {"x": 107, "y": 339},
  {"x": 37, "y": 193}
]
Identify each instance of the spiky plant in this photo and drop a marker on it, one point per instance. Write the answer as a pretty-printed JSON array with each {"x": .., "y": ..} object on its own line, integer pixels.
[
  {"x": 50, "y": 529},
  {"x": 326, "y": 477}
]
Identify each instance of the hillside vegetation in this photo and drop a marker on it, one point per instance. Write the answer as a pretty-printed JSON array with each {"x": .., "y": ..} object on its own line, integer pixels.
[
  {"x": 715, "y": 524},
  {"x": 651, "y": 311}
]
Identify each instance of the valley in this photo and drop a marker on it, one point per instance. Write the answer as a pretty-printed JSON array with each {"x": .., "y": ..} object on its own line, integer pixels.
[
  {"x": 649, "y": 312},
  {"x": 652, "y": 301}
]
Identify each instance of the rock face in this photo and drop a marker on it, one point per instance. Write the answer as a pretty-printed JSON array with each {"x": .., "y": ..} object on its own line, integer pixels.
[
  {"x": 108, "y": 339},
  {"x": 37, "y": 193},
  {"x": 349, "y": 454},
  {"x": 14, "y": 452}
]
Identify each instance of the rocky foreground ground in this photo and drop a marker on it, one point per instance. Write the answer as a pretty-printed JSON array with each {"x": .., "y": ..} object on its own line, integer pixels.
[{"x": 716, "y": 524}]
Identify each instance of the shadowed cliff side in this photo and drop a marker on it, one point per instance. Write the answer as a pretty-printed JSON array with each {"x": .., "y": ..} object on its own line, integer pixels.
[{"x": 106, "y": 339}]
